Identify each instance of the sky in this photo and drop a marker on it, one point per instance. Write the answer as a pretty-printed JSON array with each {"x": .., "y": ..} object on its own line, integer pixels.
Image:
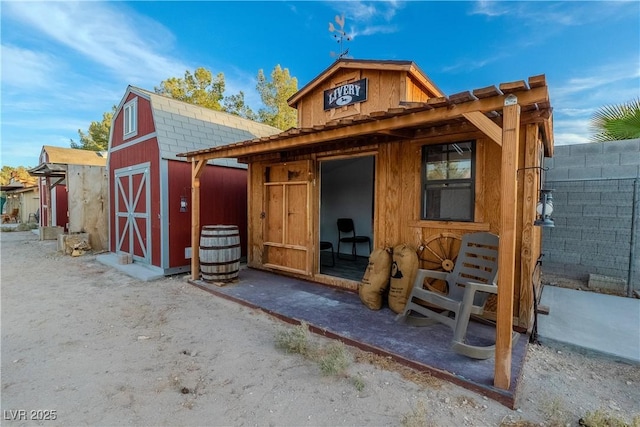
[{"x": 64, "y": 64}]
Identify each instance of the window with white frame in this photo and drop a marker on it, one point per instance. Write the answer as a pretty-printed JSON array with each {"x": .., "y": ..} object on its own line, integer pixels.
[
  {"x": 130, "y": 112},
  {"x": 448, "y": 176}
]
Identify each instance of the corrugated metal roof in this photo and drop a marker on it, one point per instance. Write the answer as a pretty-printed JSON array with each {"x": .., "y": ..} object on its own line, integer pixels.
[
  {"x": 73, "y": 156},
  {"x": 182, "y": 127}
]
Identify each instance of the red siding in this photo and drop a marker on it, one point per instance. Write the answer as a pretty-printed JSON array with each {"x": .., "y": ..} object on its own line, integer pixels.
[
  {"x": 62, "y": 206},
  {"x": 145, "y": 122},
  {"x": 223, "y": 200},
  {"x": 146, "y": 151},
  {"x": 59, "y": 194}
]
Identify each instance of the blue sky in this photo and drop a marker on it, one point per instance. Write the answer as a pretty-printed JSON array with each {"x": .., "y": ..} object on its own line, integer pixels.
[{"x": 66, "y": 63}]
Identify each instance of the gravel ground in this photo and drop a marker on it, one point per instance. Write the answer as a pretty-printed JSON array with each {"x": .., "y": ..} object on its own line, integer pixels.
[{"x": 83, "y": 344}]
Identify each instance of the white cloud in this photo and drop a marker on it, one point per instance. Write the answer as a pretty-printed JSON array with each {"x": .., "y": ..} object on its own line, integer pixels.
[
  {"x": 27, "y": 68},
  {"x": 552, "y": 14},
  {"x": 489, "y": 8},
  {"x": 579, "y": 97},
  {"x": 612, "y": 83},
  {"x": 561, "y": 138},
  {"x": 364, "y": 18},
  {"x": 114, "y": 37}
]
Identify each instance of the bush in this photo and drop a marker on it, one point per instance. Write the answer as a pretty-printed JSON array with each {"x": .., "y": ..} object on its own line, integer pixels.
[
  {"x": 335, "y": 359},
  {"x": 294, "y": 340}
]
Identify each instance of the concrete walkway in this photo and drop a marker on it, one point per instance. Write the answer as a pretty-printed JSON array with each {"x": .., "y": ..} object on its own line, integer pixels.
[
  {"x": 140, "y": 271},
  {"x": 602, "y": 323}
]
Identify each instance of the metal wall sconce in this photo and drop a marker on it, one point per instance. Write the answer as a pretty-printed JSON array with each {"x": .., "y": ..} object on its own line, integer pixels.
[
  {"x": 183, "y": 204},
  {"x": 544, "y": 209}
]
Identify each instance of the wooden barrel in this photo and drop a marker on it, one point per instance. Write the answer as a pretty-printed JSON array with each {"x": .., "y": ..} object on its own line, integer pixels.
[{"x": 219, "y": 253}]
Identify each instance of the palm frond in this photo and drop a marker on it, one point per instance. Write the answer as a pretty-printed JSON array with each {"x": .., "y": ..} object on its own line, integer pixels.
[{"x": 616, "y": 122}]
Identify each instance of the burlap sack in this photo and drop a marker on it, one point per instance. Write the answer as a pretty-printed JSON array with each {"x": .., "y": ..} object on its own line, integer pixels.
[
  {"x": 403, "y": 273},
  {"x": 376, "y": 279}
]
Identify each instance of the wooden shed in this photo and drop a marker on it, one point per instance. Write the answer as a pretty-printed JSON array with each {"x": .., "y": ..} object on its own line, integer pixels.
[
  {"x": 25, "y": 197},
  {"x": 379, "y": 142},
  {"x": 73, "y": 193},
  {"x": 150, "y": 188}
]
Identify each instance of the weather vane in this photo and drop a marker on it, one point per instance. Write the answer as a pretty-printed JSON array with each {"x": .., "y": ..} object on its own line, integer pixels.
[{"x": 340, "y": 35}]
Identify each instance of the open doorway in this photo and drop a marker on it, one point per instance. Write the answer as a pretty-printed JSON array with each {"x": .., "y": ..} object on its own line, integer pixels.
[{"x": 346, "y": 191}]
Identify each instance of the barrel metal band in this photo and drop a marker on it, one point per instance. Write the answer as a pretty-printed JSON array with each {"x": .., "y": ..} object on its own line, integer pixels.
[
  {"x": 220, "y": 247},
  {"x": 219, "y": 263},
  {"x": 221, "y": 273}
]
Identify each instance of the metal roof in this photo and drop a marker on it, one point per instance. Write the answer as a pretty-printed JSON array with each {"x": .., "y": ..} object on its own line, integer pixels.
[{"x": 181, "y": 127}]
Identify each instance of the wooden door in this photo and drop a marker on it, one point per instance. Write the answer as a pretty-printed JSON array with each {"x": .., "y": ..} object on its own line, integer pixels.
[
  {"x": 287, "y": 217},
  {"x": 132, "y": 212}
]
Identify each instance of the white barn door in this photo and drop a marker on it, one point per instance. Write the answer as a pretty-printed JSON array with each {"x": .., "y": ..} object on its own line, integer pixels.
[{"x": 132, "y": 212}]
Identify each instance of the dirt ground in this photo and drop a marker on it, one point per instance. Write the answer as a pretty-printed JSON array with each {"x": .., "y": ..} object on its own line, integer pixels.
[{"x": 83, "y": 344}]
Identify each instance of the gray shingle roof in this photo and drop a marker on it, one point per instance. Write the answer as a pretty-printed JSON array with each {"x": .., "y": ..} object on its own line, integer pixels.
[{"x": 183, "y": 127}]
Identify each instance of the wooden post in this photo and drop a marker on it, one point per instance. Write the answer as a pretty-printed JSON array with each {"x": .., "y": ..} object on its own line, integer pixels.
[
  {"x": 197, "y": 167},
  {"x": 49, "y": 202},
  {"x": 507, "y": 256},
  {"x": 530, "y": 247}
]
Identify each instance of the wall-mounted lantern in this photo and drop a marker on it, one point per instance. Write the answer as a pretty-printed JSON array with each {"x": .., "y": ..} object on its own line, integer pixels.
[
  {"x": 544, "y": 209},
  {"x": 183, "y": 204}
]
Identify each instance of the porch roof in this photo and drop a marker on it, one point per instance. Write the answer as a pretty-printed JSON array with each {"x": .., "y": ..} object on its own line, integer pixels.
[
  {"x": 49, "y": 170},
  {"x": 459, "y": 113}
]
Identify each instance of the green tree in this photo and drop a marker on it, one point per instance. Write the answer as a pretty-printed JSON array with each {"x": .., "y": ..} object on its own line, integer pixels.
[
  {"x": 234, "y": 104},
  {"x": 19, "y": 174},
  {"x": 274, "y": 95},
  {"x": 617, "y": 122},
  {"x": 97, "y": 137},
  {"x": 200, "y": 88},
  {"x": 5, "y": 175}
]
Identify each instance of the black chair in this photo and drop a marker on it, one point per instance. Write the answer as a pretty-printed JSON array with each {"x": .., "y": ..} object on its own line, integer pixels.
[
  {"x": 328, "y": 245},
  {"x": 346, "y": 226}
]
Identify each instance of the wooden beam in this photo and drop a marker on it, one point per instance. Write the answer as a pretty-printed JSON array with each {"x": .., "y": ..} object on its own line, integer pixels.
[
  {"x": 548, "y": 137},
  {"x": 486, "y": 125},
  {"x": 400, "y": 134},
  {"x": 197, "y": 167},
  {"x": 419, "y": 118},
  {"x": 507, "y": 255}
]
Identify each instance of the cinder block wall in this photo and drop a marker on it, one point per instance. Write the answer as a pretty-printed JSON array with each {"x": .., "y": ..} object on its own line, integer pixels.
[{"x": 593, "y": 204}]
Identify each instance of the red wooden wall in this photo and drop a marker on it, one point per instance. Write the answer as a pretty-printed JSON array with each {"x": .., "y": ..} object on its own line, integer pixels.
[
  {"x": 223, "y": 200},
  {"x": 62, "y": 206}
]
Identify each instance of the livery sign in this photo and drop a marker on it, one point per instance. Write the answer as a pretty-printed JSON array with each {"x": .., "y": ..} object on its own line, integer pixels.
[{"x": 346, "y": 94}]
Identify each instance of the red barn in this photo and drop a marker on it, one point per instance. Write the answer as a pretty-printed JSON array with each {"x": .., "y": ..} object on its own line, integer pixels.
[{"x": 150, "y": 188}]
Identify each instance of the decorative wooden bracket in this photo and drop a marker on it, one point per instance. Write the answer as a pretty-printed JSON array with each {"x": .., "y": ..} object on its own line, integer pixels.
[{"x": 485, "y": 125}]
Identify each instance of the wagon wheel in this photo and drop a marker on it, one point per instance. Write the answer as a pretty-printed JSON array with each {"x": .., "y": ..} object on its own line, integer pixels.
[{"x": 439, "y": 253}]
